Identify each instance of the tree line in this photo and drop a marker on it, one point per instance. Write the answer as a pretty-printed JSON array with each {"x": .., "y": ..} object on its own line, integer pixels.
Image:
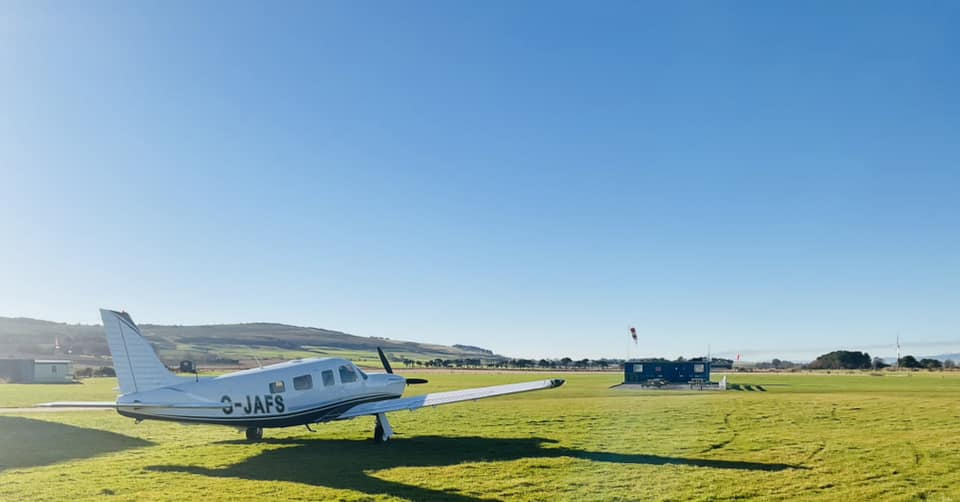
[
  {"x": 855, "y": 360},
  {"x": 565, "y": 363}
]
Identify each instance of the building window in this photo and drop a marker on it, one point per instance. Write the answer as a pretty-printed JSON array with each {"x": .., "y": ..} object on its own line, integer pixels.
[
  {"x": 638, "y": 368},
  {"x": 276, "y": 387},
  {"x": 698, "y": 368},
  {"x": 53, "y": 368},
  {"x": 347, "y": 375},
  {"x": 304, "y": 382},
  {"x": 328, "y": 378}
]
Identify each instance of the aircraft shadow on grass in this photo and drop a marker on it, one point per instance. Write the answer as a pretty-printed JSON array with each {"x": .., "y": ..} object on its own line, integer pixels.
[
  {"x": 25, "y": 442},
  {"x": 344, "y": 464}
]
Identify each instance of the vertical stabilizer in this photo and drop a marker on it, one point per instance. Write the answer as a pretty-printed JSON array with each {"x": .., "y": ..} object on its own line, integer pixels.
[{"x": 137, "y": 365}]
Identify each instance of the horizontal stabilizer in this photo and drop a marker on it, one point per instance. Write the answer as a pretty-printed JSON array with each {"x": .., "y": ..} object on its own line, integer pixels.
[
  {"x": 79, "y": 404},
  {"x": 456, "y": 396}
]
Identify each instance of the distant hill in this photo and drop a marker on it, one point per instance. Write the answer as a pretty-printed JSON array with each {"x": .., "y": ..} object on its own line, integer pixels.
[{"x": 217, "y": 343}]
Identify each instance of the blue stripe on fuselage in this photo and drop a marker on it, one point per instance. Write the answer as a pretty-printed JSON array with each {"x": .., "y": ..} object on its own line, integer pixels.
[{"x": 323, "y": 413}]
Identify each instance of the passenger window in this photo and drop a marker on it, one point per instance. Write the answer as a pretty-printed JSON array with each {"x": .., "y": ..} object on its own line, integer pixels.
[
  {"x": 328, "y": 378},
  {"x": 276, "y": 387},
  {"x": 304, "y": 382},
  {"x": 347, "y": 375}
]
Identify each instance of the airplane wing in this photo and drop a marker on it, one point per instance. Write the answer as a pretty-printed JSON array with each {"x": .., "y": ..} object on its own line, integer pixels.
[
  {"x": 438, "y": 398},
  {"x": 111, "y": 404}
]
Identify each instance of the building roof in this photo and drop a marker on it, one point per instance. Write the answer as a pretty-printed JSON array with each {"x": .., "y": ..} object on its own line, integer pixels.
[{"x": 51, "y": 361}]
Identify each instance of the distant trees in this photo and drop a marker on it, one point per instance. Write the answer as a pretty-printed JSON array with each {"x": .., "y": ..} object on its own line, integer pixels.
[
  {"x": 103, "y": 371},
  {"x": 777, "y": 364},
  {"x": 564, "y": 363},
  {"x": 910, "y": 362},
  {"x": 878, "y": 363},
  {"x": 842, "y": 359},
  {"x": 949, "y": 364}
]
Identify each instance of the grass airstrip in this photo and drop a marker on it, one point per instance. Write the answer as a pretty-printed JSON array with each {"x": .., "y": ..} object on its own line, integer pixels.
[{"x": 803, "y": 436}]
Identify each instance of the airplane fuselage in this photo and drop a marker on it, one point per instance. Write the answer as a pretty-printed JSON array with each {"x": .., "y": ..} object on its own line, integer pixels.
[{"x": 292, "y": 393}]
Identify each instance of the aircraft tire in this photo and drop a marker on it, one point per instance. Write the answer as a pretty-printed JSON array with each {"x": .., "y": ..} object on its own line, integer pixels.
[
  {"x": 254, "y": 433},
  {"x": 378, "y": 433}
]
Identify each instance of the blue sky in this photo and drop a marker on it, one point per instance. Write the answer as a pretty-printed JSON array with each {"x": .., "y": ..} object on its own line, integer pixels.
[{"x": 532, "y": 177}]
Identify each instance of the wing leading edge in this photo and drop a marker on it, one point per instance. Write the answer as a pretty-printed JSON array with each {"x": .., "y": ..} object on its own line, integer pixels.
[{"x": 438, "y": 398}]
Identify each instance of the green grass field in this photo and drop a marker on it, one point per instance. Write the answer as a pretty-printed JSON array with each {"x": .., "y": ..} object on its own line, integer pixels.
[{"x": 823, "y": 437}]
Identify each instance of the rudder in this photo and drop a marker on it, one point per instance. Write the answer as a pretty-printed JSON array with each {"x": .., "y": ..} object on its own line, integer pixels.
[{"x": 137, "y": 366}]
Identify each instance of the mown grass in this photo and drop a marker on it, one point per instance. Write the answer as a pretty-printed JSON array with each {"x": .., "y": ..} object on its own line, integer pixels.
[
  {"x": 822, "y": 437},
  {"x": 14, "y": 395}
]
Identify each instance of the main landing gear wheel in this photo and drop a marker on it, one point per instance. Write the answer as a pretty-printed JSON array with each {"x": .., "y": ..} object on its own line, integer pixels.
[
  {"x": 254, "y": 433},
  {"x": 382, "y": 432}
]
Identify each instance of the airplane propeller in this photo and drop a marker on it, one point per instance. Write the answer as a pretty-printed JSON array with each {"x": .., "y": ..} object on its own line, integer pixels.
[{"x": 386, "y": 366}]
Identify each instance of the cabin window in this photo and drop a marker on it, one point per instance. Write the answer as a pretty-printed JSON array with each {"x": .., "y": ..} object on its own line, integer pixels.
[
  {"x": 347, "y": 374},
  {"x": 303, "y": 382},
  {"x": 328, "y": 378},
  {"x": 698, "y": 368},
  {"x": 638, "y": 368},
  {"x": 276, "y": 387}
]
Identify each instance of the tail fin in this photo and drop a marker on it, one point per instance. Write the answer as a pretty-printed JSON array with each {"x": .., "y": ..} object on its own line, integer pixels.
[{"x": 137, "y": 365}]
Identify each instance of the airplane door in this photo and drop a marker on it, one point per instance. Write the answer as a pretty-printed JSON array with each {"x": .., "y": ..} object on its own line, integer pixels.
[{"x": 331, "y": 389}]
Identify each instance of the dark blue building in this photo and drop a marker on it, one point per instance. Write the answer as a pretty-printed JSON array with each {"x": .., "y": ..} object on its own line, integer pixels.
[{"x": 660, "y": 372}]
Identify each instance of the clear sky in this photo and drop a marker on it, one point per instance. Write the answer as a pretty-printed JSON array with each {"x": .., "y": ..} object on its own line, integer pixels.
[{"x": 771, "y": 178}]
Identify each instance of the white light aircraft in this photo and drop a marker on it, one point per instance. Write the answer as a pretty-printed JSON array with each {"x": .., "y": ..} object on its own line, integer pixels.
[{"x": 300, "y": 392}]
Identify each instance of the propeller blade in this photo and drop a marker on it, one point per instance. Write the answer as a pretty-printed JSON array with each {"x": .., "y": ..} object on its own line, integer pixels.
[
  {"x": 383, "y": 359},
  {"x": 414, "y": 381}
]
